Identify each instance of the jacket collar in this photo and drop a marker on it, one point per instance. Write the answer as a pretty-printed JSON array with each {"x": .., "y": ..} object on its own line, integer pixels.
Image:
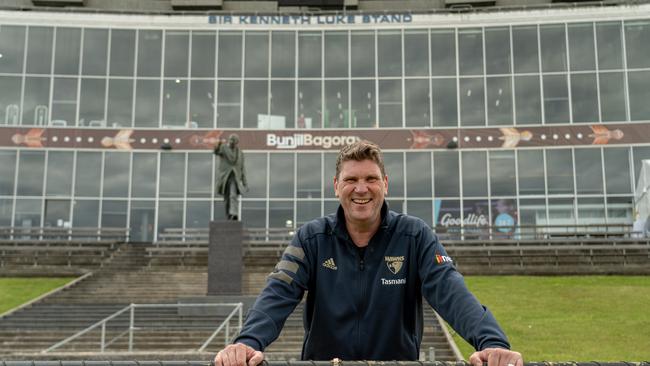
[{"x": 338, "y": 222}]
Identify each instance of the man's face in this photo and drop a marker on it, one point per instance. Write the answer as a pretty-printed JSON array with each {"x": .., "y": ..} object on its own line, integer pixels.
[{"x": 361, "y": 188}]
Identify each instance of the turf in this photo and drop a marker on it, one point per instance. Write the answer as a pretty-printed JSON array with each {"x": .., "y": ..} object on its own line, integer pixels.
[
  {"x": 16, "y": 291},
  {"x": 577, "y": 318}
]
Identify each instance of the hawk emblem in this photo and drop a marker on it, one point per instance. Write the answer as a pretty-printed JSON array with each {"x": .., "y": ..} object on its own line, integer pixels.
[{"x": 394, "y": 264}]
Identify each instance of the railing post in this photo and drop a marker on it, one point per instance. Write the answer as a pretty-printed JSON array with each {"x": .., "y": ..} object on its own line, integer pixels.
[
  {"x": 131, "y": 326},
  {"x": 101, "y": 349},
  {"x": 239, "y": 325},
  {"x": 227, "y": 332}
]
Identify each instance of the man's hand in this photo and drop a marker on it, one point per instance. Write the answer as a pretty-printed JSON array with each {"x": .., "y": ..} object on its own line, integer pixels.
[
  {"x": 496, "y": 357},
  {"x": 239, "y": 354}
]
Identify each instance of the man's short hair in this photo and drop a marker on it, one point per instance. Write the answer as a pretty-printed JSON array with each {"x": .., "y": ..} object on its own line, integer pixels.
[{"x": 360, "y": 151}]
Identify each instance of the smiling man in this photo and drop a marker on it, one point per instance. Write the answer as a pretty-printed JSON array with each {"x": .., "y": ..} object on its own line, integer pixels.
[{"x": 366, "y": 269}]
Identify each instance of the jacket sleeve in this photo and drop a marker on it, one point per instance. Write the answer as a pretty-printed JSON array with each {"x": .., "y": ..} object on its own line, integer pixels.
[
  {"x": 445, "y": 290},
  {"x": 284, "y": 290}
]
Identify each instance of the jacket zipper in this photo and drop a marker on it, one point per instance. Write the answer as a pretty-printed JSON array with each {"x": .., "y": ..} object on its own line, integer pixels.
[{"x": 362, "y": 306}]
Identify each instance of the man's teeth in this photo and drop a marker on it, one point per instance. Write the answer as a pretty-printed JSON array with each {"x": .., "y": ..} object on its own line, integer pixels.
[{"x": 360, "y": 201}]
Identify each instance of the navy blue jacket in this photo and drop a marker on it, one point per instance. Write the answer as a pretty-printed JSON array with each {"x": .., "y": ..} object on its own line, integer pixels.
[{"x": 367, "y": 308}]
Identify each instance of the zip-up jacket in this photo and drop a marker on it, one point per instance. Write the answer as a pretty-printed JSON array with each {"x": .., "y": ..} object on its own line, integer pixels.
[{"x": 367, "y": 307}]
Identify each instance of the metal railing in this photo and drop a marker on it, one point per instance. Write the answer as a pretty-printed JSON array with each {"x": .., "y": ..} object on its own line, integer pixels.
[{"x": 102, "y": 325}]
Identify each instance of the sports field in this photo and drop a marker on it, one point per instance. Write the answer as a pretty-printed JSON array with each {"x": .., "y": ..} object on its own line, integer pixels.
[
  {"x": 577, "y": 318},
  {"x": 15, "y": 291}
]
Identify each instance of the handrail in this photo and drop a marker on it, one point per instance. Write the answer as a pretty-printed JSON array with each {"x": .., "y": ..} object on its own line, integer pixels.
[
  {"x": 131, "y": 328},
  {"x": 225, "y": 323}
]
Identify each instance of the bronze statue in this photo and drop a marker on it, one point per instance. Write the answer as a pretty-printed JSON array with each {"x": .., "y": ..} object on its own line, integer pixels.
[{"x": 231, "y": 178}]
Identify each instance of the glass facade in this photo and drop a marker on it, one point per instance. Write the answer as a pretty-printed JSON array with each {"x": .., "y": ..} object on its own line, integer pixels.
[{"x": 406, "y": 77}]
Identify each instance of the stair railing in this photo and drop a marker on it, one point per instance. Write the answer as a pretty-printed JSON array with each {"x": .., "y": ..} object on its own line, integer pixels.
[{"x": 132, "y": 328}]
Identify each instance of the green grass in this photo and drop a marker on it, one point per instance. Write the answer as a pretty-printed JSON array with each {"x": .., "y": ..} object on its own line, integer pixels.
[
  {"x": 16, "y": 291},
  {"x": 581, "y": 318}
]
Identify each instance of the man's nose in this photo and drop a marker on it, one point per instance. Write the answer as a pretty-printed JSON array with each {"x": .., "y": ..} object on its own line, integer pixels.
[{"x": 361, "y": 187}]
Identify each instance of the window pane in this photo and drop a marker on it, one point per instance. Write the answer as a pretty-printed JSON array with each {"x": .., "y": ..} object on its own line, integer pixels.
[
  {"x": 307, "y": 211},
  {"x": 256, "y": 98},
  {"x": 281, "y": 178},
  {"x": 203, "y": 54},
  {"x": 610, "y": 45},
  {"x": 149, "y": 52},
  {"x": 228, "y": 104},
  {"x": 444, "y": 99},
  {"x": 556, "y": 99},
  {"x": 143, "y": 182},
  {"x": 530, "y": 165},
  {"x": 336, "y": 113},
  {"x": 336, "y": 54},
  {"x": 443, "y": 52},
  {"x": 502, "y": 173},
  {"x": 553, "y": 45},
  {"x": 12, "y": 44},
  {"x": 116, "y": 174},
  {"x": 527, "y": 100},
  {"x": 532, "y": 212},
  {"x": 591, "y": 210},
  {"x": 57, "y": 213},
  {"x": 120, "y": 102},
  {"x": 172, "y": 171},
  {"x": 416, "y": 53},
  {"x": 617, "y": 170},
  {"x": 504, "y": 215},
  {"x": 253, "y": 214},
  {"x": 418, "y": 174},
  {"x": 619, "y": 210},
  {"x": 122, "y": 52},
  {"x": 639, "y": 92},
  {"x": 589, "y": 171},
  {"x": 330, "y": 207},
  {"x": 363, "y": 103},
  {"x": 584, "y": 98},
  {"x": 394, "y": 166},
  {"x": 283, "y": 101},
  {"x": 143, "y": 216},
  {"x": 559, "y": 168},
  {"x": 362, "y": 53},
  {"x": 202, "y": 103},
  {"x": 329, "y": 171},
  {"x": 95, "y": 51},
  {"x": 113, "y": 214},
  {"x": 499, "y": 99},
  {"x": 88, "y": 174},
  {"x": 92, "y": 101},
  {"x": 175, "y": 103},
  {"x": 497, "y": 50},
  {"x": 147, "y": 102},
  {"x": 257, "y": 55},
  {"x": 283, "y": 54},
  {"x": 417, "y": 102},
  {"x": 470, "y": 51},
  {"x": 39, "y": 50},
  {"x": 230, "y": 54},
  {"x": 581, "y": 46},
  {"x": 561, "y": 211},
  {"x": 309, "y": 104},
  {"x": 256, "y": 174},
  {"x": 199, "y": 173},
  {"x": 64, "y": 102},
  {"x": 36, "y": 101},
  {"x": 68, "y": 45},
  {"x": 474, "y": 173},
  {"x": 28, "y": 213},
  {"x": 7, "y": 172},
  {"x": 476, "y": 213},
  {"x": 445, "y": 174},
  {"x": 176, "y": 53},
  {"x": 389, "y": 55},
  {"x": 31, "y": 169},
  {"x": 281, "y": 214},
  {"x": 390, "y": 103},
  {"x": 59, "y": 173},
  {"x": 447, "y": 215},
  {"x": 421, "y": 209},
  {"x": 197, "y": 214},
  {"x": 10, "y": 100},
  {"x": 85, "y": 213},
  {"x": 612, "y": 97},
  {"x": 640, "y": 153},
  {"x": 309, "y": 54},
  {"x": 472, "y": 102},
  {"x": 170, "y": 215},
  {"x": 309, "y": 178},
  {"x": 637, "y": 34}
]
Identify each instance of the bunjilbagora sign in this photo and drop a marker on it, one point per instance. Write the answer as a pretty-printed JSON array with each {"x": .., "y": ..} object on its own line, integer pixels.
[
  {"x": 327, "y": 139},
  {"x": 302, "y": 20}
]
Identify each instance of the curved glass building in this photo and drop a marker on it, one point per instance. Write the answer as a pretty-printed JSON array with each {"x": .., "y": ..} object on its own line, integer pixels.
[{"x": 516, "y": 116}]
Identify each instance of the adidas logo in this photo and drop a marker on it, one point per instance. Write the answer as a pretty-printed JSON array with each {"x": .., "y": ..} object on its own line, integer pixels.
[{"x": 330, "y": 264}]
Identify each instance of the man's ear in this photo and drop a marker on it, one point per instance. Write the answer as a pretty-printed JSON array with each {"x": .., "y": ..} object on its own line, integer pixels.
[
  {"x": 385, "y": 184},
  {"x": 336, "y": 189}
]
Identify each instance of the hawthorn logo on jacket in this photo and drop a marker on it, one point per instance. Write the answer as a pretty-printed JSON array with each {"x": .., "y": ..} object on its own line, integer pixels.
[
  {"x": 394, "y": 264},
  {"x": 440, "y": 259}
]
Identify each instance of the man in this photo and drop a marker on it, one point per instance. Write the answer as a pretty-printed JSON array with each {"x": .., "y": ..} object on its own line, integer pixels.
[
  {"x": 231, "y": 179},
  {"x": 366, "y": 270}
]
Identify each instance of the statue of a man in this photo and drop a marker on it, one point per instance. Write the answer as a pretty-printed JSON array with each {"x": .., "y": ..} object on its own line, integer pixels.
[{"x": 231, "y": 179}]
